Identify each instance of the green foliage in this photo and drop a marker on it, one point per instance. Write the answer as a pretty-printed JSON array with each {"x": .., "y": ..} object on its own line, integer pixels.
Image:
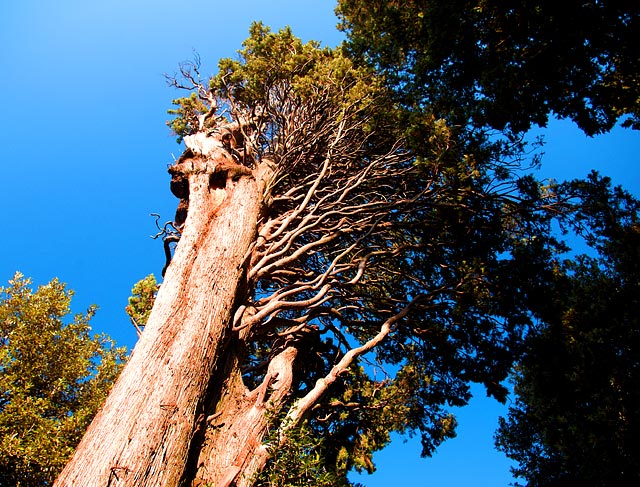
[
  {"x": 267, "y": 58},
  {"x": 53, "y": 378},
  {"x": 349, "y": 426},
  {"x": 186, "y": 120},
  {"x": 143, "y": 295},
  {"x": 300, "y": 460},
  {"x": 576, "y": 416},
  {"x": 276, "y": 78},
  {"x": 505, "y": 64},
  {"x": 363, "y": 409},
  {"x": 279, "y": 65}
]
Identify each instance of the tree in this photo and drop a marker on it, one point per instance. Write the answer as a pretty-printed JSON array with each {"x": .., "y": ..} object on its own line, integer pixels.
[
  {"x": 53, "y": 378},
  {"x": 576, "y": 410},
  {"x": 505, "y": 65},
  {"x": 141, "y": 301},
  {"x": 330, "y": 282}
]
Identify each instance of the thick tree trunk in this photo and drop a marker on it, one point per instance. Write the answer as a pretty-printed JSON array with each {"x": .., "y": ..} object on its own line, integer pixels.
[
  {"x": 232, "y": 450},
  {"x": 143, "y": 435}
]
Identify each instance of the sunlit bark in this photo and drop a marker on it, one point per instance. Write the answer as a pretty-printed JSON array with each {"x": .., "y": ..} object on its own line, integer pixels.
[{"x": 143, "y": 433}]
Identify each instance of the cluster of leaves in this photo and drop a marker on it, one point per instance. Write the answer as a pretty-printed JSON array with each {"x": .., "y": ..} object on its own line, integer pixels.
[
  {"x": 576, "y": 415},
  {"x": 53, "y": 378},
  {"x": 143, "y": 295},
  {"x": 504, "y": 65},
  {"x": 270, "y": 90},
  {"x": 187, "y": 115},
  {"x": 300, "y": 460},
  {"x": 277, "y": 68},
  {"x": 364, "y": 408}
]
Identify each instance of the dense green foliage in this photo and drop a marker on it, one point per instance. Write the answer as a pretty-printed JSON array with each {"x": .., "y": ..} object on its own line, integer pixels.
[
  {"x": 143, "y": 294},
  {"x": 186, "y": 114},
  {"x": 505, "y": 64},
  {"x": 300, "y": 460},
  {"x": 53, "y": 378},
  {"x": 576, "y": 414},
  {"x": 484, "y": 65}
]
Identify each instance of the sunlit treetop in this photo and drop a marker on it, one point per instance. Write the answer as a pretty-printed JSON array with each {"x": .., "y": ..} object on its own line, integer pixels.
[{"x": 275, "y": 80}]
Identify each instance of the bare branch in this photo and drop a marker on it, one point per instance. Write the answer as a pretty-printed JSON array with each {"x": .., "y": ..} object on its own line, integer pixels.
[{"x": 304, "y": 405}]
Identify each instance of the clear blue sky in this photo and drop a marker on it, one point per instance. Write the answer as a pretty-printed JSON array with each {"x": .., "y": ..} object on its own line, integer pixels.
[{"x": 85, "y": 151}]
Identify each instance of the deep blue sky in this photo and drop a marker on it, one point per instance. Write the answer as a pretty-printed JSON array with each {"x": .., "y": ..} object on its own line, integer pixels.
[{"x": 85, "y": 151}]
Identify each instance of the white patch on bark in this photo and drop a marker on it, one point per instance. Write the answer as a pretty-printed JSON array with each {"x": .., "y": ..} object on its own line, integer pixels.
[{"x": 201, "y": 144}]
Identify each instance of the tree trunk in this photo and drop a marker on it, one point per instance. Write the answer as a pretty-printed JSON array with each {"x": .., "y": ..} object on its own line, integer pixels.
[
  {"x": 232, "y": 450},
  {"x": 143, "y": 435}
]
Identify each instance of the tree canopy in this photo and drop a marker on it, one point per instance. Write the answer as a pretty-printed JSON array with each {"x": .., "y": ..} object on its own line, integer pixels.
[
  {"x": 360, "y": 228},
  {"x": 505, "y": 64},
  {"x": 53, "y": 378},
  {"x": 494, "y": 65},
  {"x": 575, "y": 415}
]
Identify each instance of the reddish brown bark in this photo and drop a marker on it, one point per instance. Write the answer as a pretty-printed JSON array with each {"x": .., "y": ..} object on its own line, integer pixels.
[
  {"x": 143, "y": 434},
  {"x": 232, "y": 451}
]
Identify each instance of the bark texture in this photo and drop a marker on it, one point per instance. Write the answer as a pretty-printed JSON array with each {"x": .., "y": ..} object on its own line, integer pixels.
[
  {"x": 143, "y": 434},
  {"x": 233, "y": 451}
]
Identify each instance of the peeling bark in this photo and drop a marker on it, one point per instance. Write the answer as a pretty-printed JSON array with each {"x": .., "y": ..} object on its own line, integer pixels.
[{"x": 143, "y": 433}]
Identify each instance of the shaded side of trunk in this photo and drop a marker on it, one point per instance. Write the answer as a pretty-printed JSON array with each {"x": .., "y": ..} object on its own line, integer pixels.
[
  {"x": 232, "y": 451},
  {"x": 143, "y": 433}
]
